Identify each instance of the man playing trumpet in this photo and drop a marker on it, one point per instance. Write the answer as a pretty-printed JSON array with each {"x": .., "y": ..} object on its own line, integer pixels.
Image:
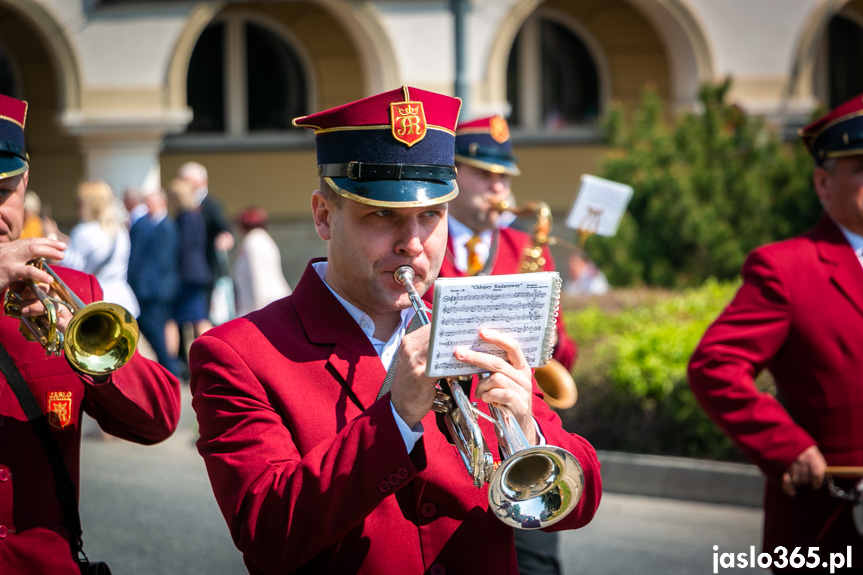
[
  {"x": 799, "y": 314},
  {"x": 480, "y": 244},
  {"x": 314, "y": 469},
  {"x": 138, "y": 401}
]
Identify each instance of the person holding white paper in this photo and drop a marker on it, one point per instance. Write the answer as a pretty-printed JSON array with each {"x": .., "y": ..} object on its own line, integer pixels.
[{"x": 479, "y": 244}]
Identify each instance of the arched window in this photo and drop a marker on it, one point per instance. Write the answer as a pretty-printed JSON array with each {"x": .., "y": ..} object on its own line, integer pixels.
[
  {"x": 244, "y": 78},
  {"x": 552, "y": 80},
  {"x": 845, "y": 59}
]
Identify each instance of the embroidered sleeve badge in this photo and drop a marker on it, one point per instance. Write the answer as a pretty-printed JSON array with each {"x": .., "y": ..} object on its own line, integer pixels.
[
  {"x": 408, "y": 121},
  {"x": 59, "y": 409}
]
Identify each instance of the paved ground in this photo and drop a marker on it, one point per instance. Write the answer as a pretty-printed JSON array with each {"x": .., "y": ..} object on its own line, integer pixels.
[
  {"x": 149, "y": 510},
  {"x": 652, "y": 535}
]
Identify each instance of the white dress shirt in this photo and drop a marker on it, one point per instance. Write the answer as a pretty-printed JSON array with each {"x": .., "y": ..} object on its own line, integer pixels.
[
  {"x": 386, "y": 350},
  {"x": 856, "y": 242}
]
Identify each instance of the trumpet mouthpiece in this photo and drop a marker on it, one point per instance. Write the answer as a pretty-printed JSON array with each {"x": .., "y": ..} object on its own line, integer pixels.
[
  {"x": 502, "y": 206},
  {"x": 404, "y": 275}
]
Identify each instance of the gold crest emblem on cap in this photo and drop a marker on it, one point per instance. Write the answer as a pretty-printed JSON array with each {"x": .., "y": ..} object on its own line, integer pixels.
[
  {"x": 59, "y": 409},
  {"x": 408, "y": 121},
  {"x": 499, "y": 129}
]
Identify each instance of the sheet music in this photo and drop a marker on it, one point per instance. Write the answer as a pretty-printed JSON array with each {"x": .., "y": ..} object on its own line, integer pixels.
[
  {"x": 522, "y": 305},
  {"x": 599, "y": 205}
]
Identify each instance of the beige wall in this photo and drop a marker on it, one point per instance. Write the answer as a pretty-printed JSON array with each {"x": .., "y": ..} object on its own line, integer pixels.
[
  {"x": 280, "y": 182},
  {"x": 634, "y": 52},
  {"x": 335, "y": 61},
  {"x": 551, "y": 173}
]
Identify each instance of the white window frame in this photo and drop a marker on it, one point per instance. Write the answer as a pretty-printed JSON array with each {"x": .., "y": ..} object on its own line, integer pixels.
[{"x": 529, "y": 54}]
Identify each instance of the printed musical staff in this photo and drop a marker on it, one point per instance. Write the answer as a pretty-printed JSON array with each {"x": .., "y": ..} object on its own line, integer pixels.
[{"x": 522, "y": 305}]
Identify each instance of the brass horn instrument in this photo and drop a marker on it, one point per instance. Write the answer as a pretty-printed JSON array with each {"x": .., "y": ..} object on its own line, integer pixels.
[
  {"x": 555, "y": 380},
  {"x": 99, "y": 339},
  {"x": 532, "y": 487}
]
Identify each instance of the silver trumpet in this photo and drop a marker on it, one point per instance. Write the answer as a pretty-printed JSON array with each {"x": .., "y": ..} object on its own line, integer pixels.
[{"x": 531, "y": 487}]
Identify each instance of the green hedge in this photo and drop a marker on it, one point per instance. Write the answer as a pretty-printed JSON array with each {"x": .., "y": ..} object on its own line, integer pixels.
[
  {"x": 634, "y": 346},
  {"x": 709, "y": 187}
]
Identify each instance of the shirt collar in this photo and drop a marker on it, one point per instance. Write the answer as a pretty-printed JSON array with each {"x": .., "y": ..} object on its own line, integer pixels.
[
  {"x": 159, "y": 216},
  {"x": 200, "y": 194},
  {"x": 386, "y": 349},
  {"x": 460, "y": 233},
  {"x": 855, "y": 240}
]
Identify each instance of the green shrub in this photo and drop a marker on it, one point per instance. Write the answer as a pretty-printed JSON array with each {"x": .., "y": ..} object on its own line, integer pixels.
[
  {"x": 634, "y": 346},
  {"x": 709, "y": 187}
]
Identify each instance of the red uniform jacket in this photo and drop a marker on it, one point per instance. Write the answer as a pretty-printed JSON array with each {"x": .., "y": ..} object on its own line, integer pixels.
[
  {"x": 799, "y": 314},
  {"x": 140, "y": 402},
  {"x": 311, "y": 472},
  {"x": 511, "y": 245}
]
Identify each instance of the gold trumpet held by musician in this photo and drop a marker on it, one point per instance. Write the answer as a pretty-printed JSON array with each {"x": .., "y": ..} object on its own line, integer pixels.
[{"x": 99, "y": 339}]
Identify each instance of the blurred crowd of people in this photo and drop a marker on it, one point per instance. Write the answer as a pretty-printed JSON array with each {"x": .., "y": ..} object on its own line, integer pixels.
[{"x": 164, "y": 255}]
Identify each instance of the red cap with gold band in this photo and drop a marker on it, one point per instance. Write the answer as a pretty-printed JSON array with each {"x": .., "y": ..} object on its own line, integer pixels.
[
  {"x": 838, "y": 133},
  {"x": 485, "y": 143},
  {"x": 391, "y": 150},
  {"x": 13, "y": 156}
]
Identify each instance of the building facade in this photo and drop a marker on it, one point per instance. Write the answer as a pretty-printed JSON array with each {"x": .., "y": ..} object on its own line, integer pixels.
[{"x": 128, "y": 90}]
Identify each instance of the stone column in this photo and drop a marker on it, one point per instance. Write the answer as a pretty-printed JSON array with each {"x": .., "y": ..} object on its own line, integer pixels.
[{"x": 124, "y": 149}]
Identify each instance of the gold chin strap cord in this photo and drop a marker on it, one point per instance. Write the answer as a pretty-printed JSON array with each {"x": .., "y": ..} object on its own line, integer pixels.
[{"x": 473, "y": 264}]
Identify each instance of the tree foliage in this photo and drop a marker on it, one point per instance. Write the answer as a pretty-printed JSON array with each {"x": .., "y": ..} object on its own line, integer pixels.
[{"x": 709, "y": 187}]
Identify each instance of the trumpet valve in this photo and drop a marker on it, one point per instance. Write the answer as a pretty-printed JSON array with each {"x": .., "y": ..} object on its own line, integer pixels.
[{"x": 442, "y": 402}]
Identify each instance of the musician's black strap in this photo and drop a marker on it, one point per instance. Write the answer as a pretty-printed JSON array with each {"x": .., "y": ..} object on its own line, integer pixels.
[
  {"x": 66, "y": 490},
  {"x": 492, "y": 254},
  {"x": 369, "y": 171}
]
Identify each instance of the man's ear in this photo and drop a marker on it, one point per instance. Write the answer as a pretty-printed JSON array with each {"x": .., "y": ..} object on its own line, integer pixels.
[
  {"x": 321, "y": 212},
  {"x": 821, "y": 181},
  {"x": 26, "y": 178}
]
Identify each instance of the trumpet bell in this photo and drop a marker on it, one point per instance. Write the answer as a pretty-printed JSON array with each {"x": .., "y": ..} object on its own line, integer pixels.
[
  {"x": 101, "y": 338},
  {"x": 536, "y": 487}
]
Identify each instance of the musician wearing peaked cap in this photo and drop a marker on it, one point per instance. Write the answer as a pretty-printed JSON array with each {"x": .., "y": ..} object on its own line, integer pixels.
[
  {"x": 480, "y": 243},
  {"x": 139, "y": 401},
  {"x": 318, "y": 467},
  {"x": 799, "y": 314}
]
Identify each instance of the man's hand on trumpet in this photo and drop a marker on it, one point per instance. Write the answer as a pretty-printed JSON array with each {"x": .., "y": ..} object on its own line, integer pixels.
[
  {"x": 14, "y": 256},
  {"x": 510, "y": 381},
  {"x": 15, "y": 269},
  {"x": 509, "y": 384},
  {"x": 413, "y": 392},
  {"x": 30, "y": 306}
]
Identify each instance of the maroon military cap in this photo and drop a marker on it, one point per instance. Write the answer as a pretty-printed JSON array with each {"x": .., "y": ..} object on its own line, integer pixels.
[{"x": 838, "y": 133}]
